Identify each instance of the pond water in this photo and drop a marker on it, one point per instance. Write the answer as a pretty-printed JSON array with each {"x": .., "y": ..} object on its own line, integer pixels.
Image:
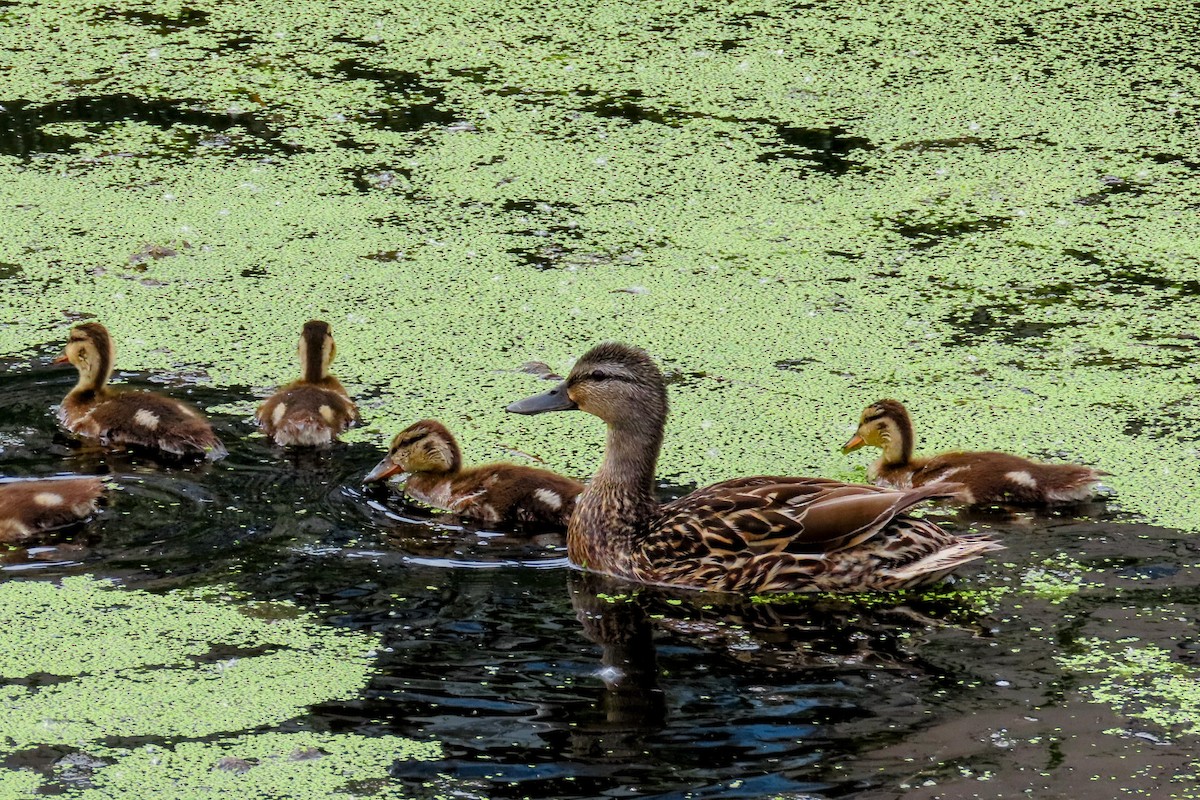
[
  {"x": 539, "y": 681},
  {"x": 797, "y": 208}
]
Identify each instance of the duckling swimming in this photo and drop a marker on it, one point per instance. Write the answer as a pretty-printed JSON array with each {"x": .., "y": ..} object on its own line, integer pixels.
[
  {"x": 314, "y": 410},
  {"x": 131, "y": 418},
  {"x": 987, "y": 477},
  {"x": 497, "y": 494},
  {"x": 29, "y": 507}
]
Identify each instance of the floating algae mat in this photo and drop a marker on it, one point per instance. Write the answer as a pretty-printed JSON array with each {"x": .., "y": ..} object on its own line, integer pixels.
[
  {"x": 989, "y": 213},
  {"x": 86, "y": 661}
]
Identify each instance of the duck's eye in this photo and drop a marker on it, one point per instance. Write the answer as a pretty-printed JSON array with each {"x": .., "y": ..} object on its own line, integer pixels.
[{"x": 601, "y": 376}]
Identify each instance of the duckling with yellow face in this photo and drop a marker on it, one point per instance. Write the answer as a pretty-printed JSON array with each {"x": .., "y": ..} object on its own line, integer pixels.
[
  {"x": 314, "y": 410},
  {"x": 751, "y": 535},
  {"x": 497, "y": 494},
  {"x": 129, "y": 418},
  {"x": 986, "y": 477},
  {"x": 30, "y": 507}
]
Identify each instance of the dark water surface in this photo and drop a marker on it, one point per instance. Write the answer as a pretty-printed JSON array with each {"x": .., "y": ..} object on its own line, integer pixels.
[{"x": 543, "y": 682}]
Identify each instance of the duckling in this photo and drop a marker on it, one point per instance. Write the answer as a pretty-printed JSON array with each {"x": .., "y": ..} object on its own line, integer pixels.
[
  {"x": 132, "y": 418},
  {"x": 497, "y": 494},
  {"x": 315, "y": 409},
  {"x": 986, "y": 477},
  {"x": 752, "y": 535},
  {"x": 28, "y": 507}
]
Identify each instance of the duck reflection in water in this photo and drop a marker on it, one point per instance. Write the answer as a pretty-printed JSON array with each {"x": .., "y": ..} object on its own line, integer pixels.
[
  {"x": 632, "y": 702},
  {"x": 833, "y": 645}
]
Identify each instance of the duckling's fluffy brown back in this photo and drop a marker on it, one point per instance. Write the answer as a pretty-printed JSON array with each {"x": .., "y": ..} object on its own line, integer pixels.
[
  {"x": 500, "y": 494},
  {"x": 28, "y": 507},
  {"x": 141, "y": 419},
  {"x": 307, "y": 414},
  {"x": 990, "y": 477}
]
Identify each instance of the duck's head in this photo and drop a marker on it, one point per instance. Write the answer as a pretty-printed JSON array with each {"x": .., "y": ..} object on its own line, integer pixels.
[
  {"x": 316, "y": 350},
  {"x": 884, "y": 424},
  {"x": 90, "y": 349},
  {"x": 618, "y": 383},
  {"x": 425, "y": 446}
]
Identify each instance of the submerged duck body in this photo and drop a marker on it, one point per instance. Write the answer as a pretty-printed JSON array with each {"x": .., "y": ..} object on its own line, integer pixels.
[
  {"x": 314, "y": 410},
  {"x": 748, "y": 535},
  {"x": 497, "y": 494},
  {"x": 129, "y": 418},
  {"x": 986, "y": 477},
  {"x": 29, "y": 507}
]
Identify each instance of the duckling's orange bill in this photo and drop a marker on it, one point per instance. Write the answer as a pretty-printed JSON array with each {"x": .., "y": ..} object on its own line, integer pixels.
[
  {"x": 60, "y": 360},
  {"x": 852, "y": 445},
  {"x": 554, "y": 400},
  {"x": 383, "y": 470}
]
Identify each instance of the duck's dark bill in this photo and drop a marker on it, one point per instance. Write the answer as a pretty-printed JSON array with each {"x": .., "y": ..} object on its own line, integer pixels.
[{"x": 554, "y": 400}]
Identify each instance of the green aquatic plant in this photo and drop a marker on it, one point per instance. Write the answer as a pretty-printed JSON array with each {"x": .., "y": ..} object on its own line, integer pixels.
[
  {"x": 1142, "y": 681},
  {"x": 87, "y": 662},
  {"x": 458, "y": 192}
]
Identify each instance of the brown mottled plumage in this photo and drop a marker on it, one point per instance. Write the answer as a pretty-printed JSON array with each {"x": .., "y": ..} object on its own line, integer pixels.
[
  {"x": 757, "y": 534},
  {"x": 315, "y": 409},
  {"x": 986, "y": 477},
  {"x": 28, "y": 507},
  {"x": 493, "y": 493},
  {"x": 130, "y": 418}
]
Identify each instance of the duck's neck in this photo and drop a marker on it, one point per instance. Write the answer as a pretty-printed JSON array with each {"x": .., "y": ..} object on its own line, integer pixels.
[
  {"x": 313, "y": 360},
  {"x": 630, "y": 457},
  {"x": 898, "y": 446},
  {"x": 615, "y": 510},
  {"x": 93, "y": 376}
]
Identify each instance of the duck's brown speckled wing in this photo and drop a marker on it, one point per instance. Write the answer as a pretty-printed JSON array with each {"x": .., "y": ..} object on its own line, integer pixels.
[
  {"x": 769, "y": 533},
  {"x": 772, "y": 514},
  {"x": 145, "y": 419}
]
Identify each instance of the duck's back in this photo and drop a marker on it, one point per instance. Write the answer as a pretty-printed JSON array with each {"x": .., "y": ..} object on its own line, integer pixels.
[
  {"x": 501, "y": 494},
  {"x": 994, "y": 477},
  {"x": 142, "y": 419},
  {"x": 30, "y": 506},
  {"x": 772, "y": 533},
  {"x": 304, "y": 413}
]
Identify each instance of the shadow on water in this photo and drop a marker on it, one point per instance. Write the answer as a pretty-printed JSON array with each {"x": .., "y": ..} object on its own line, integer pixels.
[
  {"x": 21, "y": 122},
  {"x": 412, "y": 103}
]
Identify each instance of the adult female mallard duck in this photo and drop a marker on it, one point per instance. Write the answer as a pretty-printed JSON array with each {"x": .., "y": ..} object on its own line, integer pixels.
[
  {"x": 493, "y": 493},
  {"x": 28, "y": 507},
  {"x": 758, "y": 534},
  {"x": 985, "y": 477},
  {"x": 132, "y": 418},
  {"x": 315, "y": 409}
]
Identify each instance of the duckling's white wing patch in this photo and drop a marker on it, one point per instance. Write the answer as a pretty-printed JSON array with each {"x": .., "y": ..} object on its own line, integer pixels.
[
  {"x": 48, "y": 499},
  {"x": 146, "y": 418},
  {"x": 551, "y": 499},
  {"x": 1022, "y": 477}
]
